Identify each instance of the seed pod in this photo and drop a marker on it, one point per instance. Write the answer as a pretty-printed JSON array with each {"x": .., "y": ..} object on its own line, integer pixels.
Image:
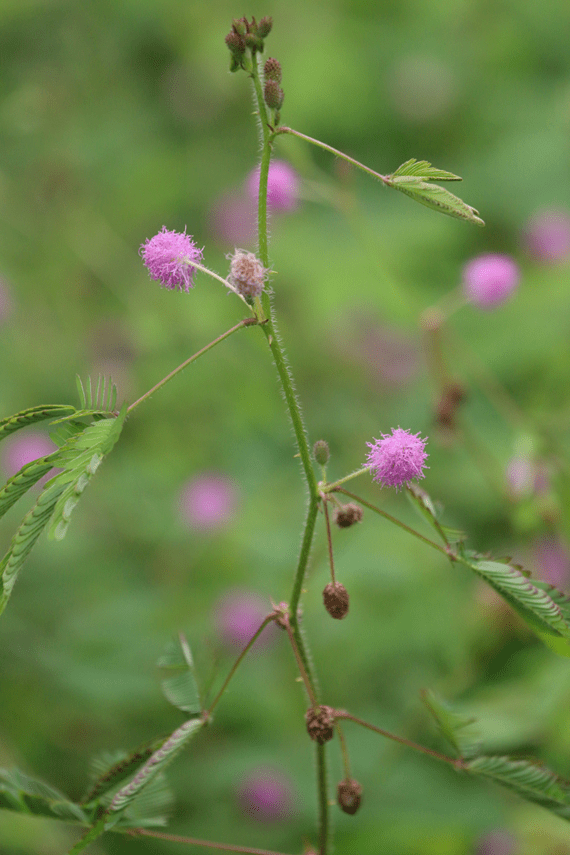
[
  {"x": 335, "y": 598},
  {"x": 349, "y": 793},
  {"x": 320, "y": 723},
  {"x": 347, "y": 515}
]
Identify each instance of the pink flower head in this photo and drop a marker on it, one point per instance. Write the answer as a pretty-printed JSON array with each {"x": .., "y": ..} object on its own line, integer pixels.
[
  {"x": 397, "y": 457},
  {"x": 266, "y": 795},
  {"x": 169, "y": 256},
  {"x": 547, "y": 236},
  {"x": 24, "y": 448},
  {"x": 282, "y": 186},
  {"x": 208, "y": 501},
  {"x": 488, "y": 280},
  {"x": 239, "y": 614}
]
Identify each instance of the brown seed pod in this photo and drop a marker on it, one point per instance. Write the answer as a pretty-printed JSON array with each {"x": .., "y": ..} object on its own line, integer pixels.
[
  {"x": 347, "y": 515},
  {"x": 349, "y": 793},
  {"x": 336, "y": 600},
  {"x": 320, "y": 723}
]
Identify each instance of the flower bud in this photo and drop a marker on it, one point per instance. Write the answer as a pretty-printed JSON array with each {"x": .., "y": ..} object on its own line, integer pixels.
[
  {"x": 247, "y": 274},
  {"x": 321, "y": 452},
  {"x": 320, "y": 723},
  {"x": 347, "y": 515},
  {"x": 235, "y": 44},
  {"x": 264, "y": 27},
  {"x": 349, "y": 793},
  {"x": 272, "y": 70},
  {"x": 335, "y": 598},
  {"x": 273, "y": 95},
  {"x": 240, "y": 26}
]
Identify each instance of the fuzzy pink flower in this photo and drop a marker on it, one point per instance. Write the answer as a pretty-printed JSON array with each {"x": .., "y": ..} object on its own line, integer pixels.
[
  {"x": 397, "y": 457},
  {"x": 547, "y": 236},
  {"x": 266, "y": 795},
  {"x": 282, "y": 186},
  {"x": 169, "y": 256},
  {"x": 490, "y": 279},
  {"x": 208, "y": 501}
]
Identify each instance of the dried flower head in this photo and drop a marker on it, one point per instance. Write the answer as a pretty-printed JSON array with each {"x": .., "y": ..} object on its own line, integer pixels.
[
  {"x": 349, "y": 794},
  {"x": 336, "y": 600},
  {"x": 247, "y": 273},
  {"x": 169, "y": 258},
  {"x": 347, "y": 515},
  {"x": 397, "y": 457},
  {"x": 320, "y": 723},
  {"x": 490, "y": 279}
]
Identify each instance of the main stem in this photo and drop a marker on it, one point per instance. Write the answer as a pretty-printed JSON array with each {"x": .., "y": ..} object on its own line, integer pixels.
[{"x": 285, "y": 377}]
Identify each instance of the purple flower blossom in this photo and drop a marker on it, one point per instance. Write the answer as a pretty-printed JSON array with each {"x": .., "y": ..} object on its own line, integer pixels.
[
  {"x": 547, "y": 236},
  {"x": 208, "y": 501},
  {"x": 490, "y": 279},
  {"x": 282, "y": 186},
  {"x": 169, "y": 256},
  {"x": 239, "y": 614},
  {"x": 266, "y": 795},
  {"x": 397, "y": 457},
  {"x": 23, "y": 448}
]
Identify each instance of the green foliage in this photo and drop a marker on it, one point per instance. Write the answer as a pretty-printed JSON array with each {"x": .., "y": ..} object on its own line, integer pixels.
[
  {"x": 23, "y": 794},
  {"x": 179, "y": 684},
  {"x": 412, "y": 178},
  {"x": 455, "y": 727},
  {"x": 21, "y": 482},
  {"x": 31, "y": 416}
]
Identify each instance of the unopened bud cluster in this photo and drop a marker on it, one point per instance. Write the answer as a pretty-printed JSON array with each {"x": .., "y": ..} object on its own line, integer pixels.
[
  {"x": 247, "y": 274},
  {"x": 349, "y": 793},
  {"x": 347, "y": 515},
  {"x": 320, "y": 723},
  {"x": 272, "y": 92},
  {"x": 336, "y": 600},
  {"x": 246, "y": 34}
]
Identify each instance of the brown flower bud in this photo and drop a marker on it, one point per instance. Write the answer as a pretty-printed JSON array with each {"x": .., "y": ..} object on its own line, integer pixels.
[
  {"x": 349, "y": 793},
  {"x": 321, "y": 452},
  {"x": 273, "y": 95},
  {"x": 347, "y": 515},
  {"x": 264, "y": 27},
  {"x": 272, "y": 70},
  {"x": 335, "y": 598},
  {"x": 320, "y": 723},
  {"x": 235, "y": 43}
]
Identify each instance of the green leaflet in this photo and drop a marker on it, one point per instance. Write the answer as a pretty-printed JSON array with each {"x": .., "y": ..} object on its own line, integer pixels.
[
  {"x": 413, "y": 179},
  {"x": 109, "y": 771},
  {"x": 21, "y": 482},
  {"x": 20, "y": 793},
  {"x": 156, "y": 763},
  {"x": 31, "y": 416},
  {"x": 455, "y": 727},
  {"x": 528, "y": 778},
  {"x": 80, "y": 458},
  {"x": 178, "y": 684},
  {"x": 536, "y": 607}
]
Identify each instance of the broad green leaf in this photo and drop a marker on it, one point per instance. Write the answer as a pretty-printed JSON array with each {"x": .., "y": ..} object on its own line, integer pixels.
[
  {"x": 424, "y": 170},
  {"x": 21, "y": 793},
  {"x": 28, "y": 532},
  {"x": 535, "y": 606},
  {"x": 528, "y": 778},
  {"x": 157, "y": 762},
  {"x": 455, "y": 727},
  {"x": 80, "y": 458},
  {"x": 434, "y": 196},
  {"x": 179, "y": 684},
  {"x": 31, "y": 416}
]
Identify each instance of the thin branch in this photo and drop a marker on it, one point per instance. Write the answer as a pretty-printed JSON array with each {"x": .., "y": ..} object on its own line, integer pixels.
[
  {"x": 300, "y": 663},
  {"x": 329, "y": 539},
  {"x": 192, "y": 841}
]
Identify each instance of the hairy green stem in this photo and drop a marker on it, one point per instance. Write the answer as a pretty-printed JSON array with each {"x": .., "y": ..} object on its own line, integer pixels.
[
  {"x": 323, "y": 800},
  {"x": 246, "y": 322},
  {"x": 301, "y": 665}
]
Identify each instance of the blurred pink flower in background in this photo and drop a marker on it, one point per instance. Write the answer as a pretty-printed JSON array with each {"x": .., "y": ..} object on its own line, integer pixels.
[
  {"x": 552, "y": 561},
  {"x": 266, "y": 795},
  {"x": 490, "y": 279},
  {"x": 526, "y": 477},
  {"x": 23, "y": 448},
  {"x": 497, "y": 842},
  {"x": 547, "y": 235},
  {"x": 282, "y": 186},
  {"x": 208, "y": 501},
  {"x": 238, "y": 614},
  {"x": 233, "y": 219},
  {"x": 5, "y": 302}
]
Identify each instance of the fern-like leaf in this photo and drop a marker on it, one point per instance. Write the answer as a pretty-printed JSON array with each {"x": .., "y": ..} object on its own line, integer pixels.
[
  {"x": 110, "y": 770},
  {"x": 31, "y": 416},
  {"x": 21, "y": 482},
  {"x": 179, "y": 685},
  {"x": 424, "y": 170},
  {"x": 23, "y": 794},
  {"x": 455, "y": 727}
]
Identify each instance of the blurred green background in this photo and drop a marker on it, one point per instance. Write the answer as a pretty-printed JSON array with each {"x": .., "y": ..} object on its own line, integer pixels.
[{"x": 117, "y": 118}]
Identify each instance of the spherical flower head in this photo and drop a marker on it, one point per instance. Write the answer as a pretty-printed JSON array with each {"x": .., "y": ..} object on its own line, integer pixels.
[
  {"x": 397, "y": 458},
  {"x": 247, "y": 273},
  {"x": 266, "y": 795},
  {"x": 490, "y": 279},
  {"x": 547, "y": 236},
  {"x": 208, "y": 501},
  {"x": 282, "y": 186},
  {"x": 169, "y": 256}
]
